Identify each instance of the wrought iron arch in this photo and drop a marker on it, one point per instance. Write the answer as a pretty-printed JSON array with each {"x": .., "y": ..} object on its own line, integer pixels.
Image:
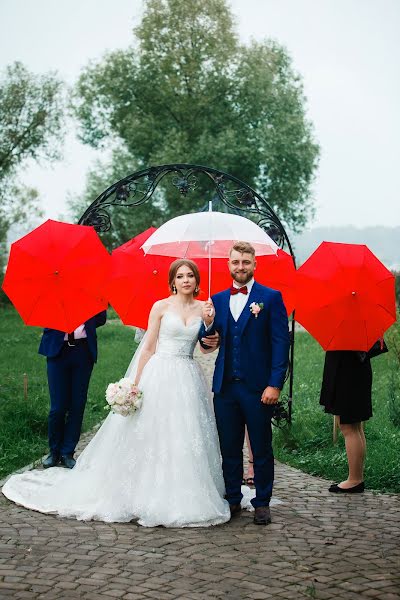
[{"x": 228, "y": 193}]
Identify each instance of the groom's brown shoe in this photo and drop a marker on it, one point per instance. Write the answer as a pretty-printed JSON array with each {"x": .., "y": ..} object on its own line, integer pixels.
[
  {"x": 262, "y": 515},
  {"x": 235, "y": 509}
]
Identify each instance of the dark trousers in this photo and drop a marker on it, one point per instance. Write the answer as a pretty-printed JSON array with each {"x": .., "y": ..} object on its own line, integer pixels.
[
  {"x": 236, "y": 406},
  {"x": 68, "y": 375}
]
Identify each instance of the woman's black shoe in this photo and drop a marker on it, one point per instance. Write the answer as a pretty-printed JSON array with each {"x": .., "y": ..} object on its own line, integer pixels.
[{"x": 356, "y": 489}]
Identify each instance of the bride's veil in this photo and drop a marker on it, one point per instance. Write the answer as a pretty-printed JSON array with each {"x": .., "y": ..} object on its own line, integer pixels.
[{"x": 133, "y": 365}]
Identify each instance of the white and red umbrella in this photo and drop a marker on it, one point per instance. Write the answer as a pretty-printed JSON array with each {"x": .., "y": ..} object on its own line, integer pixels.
[{"x": 207, "y": 235}]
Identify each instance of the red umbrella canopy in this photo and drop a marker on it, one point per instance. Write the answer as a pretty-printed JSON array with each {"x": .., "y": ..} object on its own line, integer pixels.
[
  {"x": 137, "y": 281},
  {"x": 345, "y": 296},
  {"x": 56, "y": 275}
]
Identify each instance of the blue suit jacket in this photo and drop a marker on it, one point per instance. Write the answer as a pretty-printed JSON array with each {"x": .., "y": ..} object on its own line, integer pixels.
[
  {"x": 52, "y": 340},
  {"x": 264, "y": 343}
]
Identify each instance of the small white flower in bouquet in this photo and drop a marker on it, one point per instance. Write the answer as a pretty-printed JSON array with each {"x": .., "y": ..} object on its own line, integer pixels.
[{"x": 123, "y": 397}]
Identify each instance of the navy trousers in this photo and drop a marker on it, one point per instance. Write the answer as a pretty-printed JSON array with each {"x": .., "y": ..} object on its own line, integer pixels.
[
  {"x": 68, "y": 376},
  {"x": 236, "y": 406}
]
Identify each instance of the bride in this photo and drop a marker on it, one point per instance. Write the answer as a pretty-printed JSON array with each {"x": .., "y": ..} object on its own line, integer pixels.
[{"x": 162, "y": 464}]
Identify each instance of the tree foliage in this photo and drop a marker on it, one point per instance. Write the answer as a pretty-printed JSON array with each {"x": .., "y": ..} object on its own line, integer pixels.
[
  {"x": 31, "y": 110},
  {"x": 188, "y": 91}
]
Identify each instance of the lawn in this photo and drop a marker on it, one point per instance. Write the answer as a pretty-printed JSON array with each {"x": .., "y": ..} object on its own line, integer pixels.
[
  {"x": 307, "y": 444},
  {"x": 23, "y": 421}
]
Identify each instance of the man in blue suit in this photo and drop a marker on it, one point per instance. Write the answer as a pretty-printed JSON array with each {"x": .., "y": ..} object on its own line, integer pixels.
[
  {"x": 70, "y": 360},
  {"x": 249, "y": 373}
]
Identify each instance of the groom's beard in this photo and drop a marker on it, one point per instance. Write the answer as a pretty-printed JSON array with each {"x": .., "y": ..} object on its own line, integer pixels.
[{"x": 242, "y": 277}]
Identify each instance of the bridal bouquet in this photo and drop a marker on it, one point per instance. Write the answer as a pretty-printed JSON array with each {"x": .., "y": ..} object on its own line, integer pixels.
[{"x": 123, "y": 398}]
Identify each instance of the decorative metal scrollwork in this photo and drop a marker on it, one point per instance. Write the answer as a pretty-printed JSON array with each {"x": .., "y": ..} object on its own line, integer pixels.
[
  {"x": 186, "y": 183},
  {"x": 282, "y": 413}
]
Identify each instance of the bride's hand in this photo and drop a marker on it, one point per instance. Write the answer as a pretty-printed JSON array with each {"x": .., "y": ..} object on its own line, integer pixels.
[{"x": 208, "y": 312}]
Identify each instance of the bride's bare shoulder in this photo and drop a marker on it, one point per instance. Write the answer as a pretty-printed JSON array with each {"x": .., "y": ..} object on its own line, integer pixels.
[{"x": 160, "y": 306}]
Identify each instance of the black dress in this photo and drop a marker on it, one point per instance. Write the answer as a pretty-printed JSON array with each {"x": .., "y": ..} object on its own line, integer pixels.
[{"x": 346, "y": 386}]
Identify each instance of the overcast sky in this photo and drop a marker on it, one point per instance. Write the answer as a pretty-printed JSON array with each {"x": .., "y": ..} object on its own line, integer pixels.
[{"x": 347, "y": 52}]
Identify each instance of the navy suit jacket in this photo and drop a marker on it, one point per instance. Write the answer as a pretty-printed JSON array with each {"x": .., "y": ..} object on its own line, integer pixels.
[
  {"x": 264, "y": 343},
  {"x": 52, "y": 340}
]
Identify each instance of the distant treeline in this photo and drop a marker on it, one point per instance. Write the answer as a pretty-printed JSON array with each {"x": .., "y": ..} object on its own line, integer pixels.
[{"x": 382, "y": 241}]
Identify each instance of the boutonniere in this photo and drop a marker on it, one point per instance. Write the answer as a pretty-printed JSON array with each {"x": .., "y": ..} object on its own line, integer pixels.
[{"x": 255, "y": 308}]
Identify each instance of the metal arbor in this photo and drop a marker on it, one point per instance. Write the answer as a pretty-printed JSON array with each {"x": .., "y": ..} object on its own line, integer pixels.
[{"x": 229, "y": 194}]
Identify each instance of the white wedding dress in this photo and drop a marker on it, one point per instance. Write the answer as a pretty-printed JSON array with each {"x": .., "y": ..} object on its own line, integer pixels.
[{"x": 161, "y": 466}]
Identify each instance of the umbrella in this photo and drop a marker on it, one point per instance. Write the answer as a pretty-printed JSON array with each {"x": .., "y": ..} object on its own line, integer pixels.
[
  {"x": 345, "y": 296},
  {"x": 56, "y": 275},
  {"x": 137, "y": 281},
  {"x": 207, "y": 235}
]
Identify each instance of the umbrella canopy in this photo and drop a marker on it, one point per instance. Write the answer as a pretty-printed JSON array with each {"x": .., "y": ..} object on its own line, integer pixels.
[
  {"x": 345, "y": 296},
  {"x": 137, "y": 281},
  {"x": 207, "y": 234},
  {"x": 56, "y": 275}
]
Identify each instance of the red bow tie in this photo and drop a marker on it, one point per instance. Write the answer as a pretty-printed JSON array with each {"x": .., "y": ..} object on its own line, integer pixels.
[{"x": 242, "y": 290}]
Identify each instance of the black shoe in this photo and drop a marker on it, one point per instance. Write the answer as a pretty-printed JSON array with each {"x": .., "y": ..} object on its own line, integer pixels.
[
  {"x": 68, "y": 461},
  {"x": 51, "y": 460},
  {"x": 235, "y": 509},
  {"x": 356, "y": 489},
  {"x": 262, "y": 515}
]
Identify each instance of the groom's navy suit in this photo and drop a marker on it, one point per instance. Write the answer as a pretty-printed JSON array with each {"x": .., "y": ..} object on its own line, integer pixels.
[
  {"x": 253, "y": 354},
  {"x": 69, "y": 368}
]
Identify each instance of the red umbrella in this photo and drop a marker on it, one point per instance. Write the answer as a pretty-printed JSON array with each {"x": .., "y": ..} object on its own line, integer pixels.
[
  {"x": 137, "y": 281},
  {"x": 345, "y": 296},
  {"x": 56, "y": 275}
]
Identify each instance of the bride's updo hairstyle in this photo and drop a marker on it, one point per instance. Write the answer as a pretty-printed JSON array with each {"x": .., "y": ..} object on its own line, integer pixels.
[{"x": 184, "y": 262}]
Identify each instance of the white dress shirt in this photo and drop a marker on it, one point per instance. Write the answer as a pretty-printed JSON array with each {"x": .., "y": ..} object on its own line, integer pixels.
[
  {"x": 237, "y": 302},
  {"x": 79, "y": 333}
]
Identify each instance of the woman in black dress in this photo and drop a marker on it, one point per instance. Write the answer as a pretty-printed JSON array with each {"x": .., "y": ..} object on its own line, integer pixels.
[{"x": 346, "y": 393}]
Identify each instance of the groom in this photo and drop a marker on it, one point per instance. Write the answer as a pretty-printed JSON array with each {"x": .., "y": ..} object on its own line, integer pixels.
[{"x": 249, "y": 375}]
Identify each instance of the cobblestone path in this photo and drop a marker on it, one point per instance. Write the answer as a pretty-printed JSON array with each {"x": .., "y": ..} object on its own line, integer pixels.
[{"x": 318, "y": 546}]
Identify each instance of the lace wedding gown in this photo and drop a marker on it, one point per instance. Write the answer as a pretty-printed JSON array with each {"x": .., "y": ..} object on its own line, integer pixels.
[{"x": 161, "y": 465}]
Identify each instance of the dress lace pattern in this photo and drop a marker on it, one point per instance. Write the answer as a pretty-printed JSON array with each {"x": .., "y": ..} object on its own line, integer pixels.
[{"x": 161, "y": 465}]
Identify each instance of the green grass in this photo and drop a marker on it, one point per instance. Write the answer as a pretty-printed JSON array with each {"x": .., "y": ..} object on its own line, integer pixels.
[
  {"x": 307, "y": 444},
  {"x": 23, "y": 422}
]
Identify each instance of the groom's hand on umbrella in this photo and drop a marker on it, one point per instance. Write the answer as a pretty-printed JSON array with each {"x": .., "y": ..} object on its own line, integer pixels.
[{"x": 270, "y": 395}]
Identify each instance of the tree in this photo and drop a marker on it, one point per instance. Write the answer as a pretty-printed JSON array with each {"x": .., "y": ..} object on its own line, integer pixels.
[
  {"x": 31, "y": 109},
  {"x": 188, "y": 91},
  {"x": 31, "y": 120}
]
